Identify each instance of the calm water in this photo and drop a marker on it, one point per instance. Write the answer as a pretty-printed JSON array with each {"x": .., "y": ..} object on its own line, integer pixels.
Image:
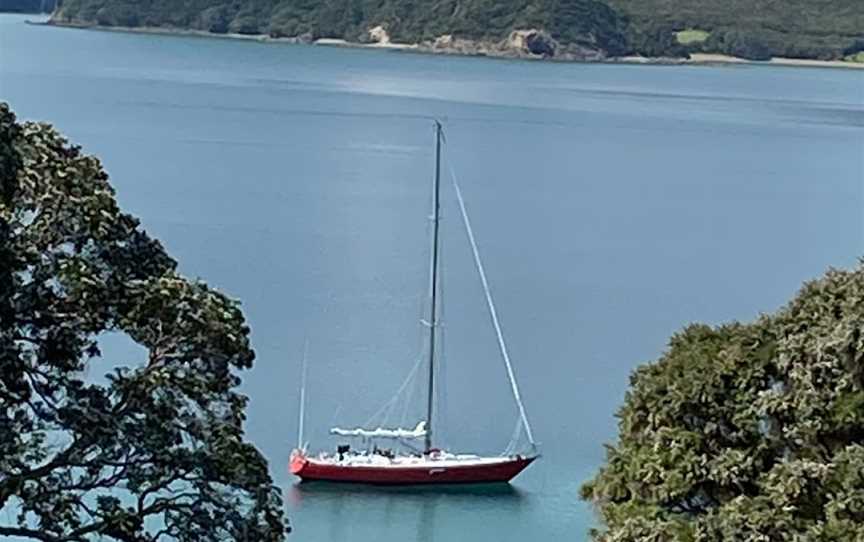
[{"x": 613, "y": 205}]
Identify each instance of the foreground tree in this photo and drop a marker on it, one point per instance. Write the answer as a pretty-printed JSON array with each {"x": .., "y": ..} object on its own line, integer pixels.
[
  {"x": 746, "y": 432},
  {"x": 156, "y": 452}
]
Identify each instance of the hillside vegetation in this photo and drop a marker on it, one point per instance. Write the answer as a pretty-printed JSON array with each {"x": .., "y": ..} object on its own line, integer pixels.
[
  {"x": 824, "y": 29},
  {"x": 590, "y": 22},
  {"x": 821, "y": 29},
  {"x": 27, "y": 6}
]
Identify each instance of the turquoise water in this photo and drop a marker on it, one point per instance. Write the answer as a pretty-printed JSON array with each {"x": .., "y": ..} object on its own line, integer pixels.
[{"x": 613, "y": 205}]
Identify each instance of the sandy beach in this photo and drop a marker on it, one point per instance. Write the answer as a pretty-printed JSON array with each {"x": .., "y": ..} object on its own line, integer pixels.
[{"x": 705, "y": 58}]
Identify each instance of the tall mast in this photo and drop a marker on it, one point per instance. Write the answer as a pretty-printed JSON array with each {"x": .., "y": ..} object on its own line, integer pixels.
[
  {"x": 433, "y": 287},
  {"x": 302, "y": 421}
]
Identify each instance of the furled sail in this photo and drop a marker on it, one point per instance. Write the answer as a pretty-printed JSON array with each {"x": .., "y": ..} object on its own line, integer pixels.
[{"x": 418, "y": 432}]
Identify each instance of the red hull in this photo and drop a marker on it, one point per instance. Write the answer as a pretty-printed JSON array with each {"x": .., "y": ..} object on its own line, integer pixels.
[{"x": 502, "y": 471}]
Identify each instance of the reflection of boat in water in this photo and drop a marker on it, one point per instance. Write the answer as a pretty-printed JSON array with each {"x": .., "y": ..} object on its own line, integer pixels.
[
  {"x": 416, "y": 513},
  {"x": 322, "y": 490},
  {"x": 428, "y": 465}
]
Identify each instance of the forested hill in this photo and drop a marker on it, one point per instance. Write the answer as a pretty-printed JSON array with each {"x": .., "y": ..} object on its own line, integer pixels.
[
  {"x": 27, "y": 6},
  {"x": 757, "y": 29},
  {"x": 823, "y": 29},
  {"x": 590, "y": 23}
]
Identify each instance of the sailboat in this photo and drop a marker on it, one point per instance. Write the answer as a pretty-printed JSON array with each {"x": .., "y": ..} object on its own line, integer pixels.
[{"x": 370, "y": 464}]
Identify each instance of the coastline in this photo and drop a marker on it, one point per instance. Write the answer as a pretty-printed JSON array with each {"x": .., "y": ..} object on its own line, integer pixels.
[
  {"x": 696, "y": 59},
  {"x": 710, "y": 58}
]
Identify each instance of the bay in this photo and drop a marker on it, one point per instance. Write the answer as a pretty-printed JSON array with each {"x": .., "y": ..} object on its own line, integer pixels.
[{"x": 613, "y": 204}]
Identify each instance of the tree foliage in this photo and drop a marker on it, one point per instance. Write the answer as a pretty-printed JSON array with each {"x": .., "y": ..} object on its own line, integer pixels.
[
  {"x": 746, "y": 432},
  {"x": 27, "y": 6},
  {"x": 156, "y": 452}
]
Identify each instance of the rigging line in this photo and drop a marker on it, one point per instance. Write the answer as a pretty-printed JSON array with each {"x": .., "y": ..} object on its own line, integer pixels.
[
  {"x": 421, "y": 339},
  {"x": 441, "y": 403},
  {"x": 302, "y": 396},
  {"x": 514, "y": 438},
  {"x": 392, "y": 400},
  {"x": 491, "y": 305},
  {"x": 336, "y": 414},
  {"x": 412, "y": 390}
]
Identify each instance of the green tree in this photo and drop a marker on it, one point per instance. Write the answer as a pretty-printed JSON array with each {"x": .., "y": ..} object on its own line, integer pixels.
[
  {"x": 156, "y": 452},
  {"x": 746, "y": 432}
]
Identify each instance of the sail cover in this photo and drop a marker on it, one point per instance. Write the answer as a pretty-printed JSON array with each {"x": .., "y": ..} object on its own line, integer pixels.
[{"x": 418, "y": 432}]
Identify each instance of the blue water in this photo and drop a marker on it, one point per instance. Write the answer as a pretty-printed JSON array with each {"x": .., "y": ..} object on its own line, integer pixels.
[{"x": 613, "y": 205}]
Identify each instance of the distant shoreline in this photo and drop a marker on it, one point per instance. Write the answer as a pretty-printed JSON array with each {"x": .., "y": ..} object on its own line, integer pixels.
[{"x": 696, "y": 59}]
